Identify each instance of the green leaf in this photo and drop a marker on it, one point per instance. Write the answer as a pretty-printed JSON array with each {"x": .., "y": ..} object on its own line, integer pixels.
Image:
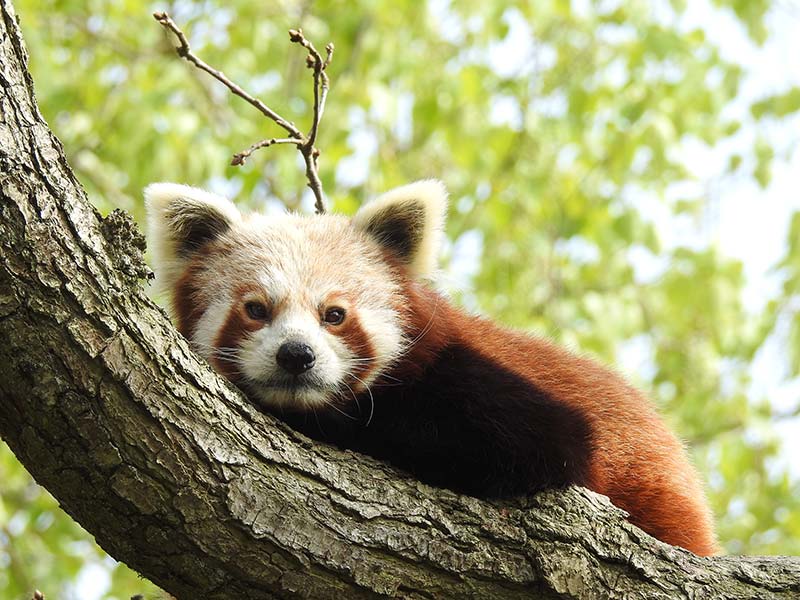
[{"x": 777, "y": 105}]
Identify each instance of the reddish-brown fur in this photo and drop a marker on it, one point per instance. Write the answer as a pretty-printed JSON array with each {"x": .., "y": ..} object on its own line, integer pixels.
[
  {"x": 635, "y": 460},
  {"x": 353, "y": 335},
  {"x": 187, "y": 303},
  {"x": 469, "y": 402},
  {"x": 237, "y": 326}
]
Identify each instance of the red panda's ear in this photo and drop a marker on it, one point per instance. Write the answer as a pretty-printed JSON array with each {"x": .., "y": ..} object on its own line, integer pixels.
[
  {"x": 180, "y": 220},
  {"x": 408, "y": 221}
]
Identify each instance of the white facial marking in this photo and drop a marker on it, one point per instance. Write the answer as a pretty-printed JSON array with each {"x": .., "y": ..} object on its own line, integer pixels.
[
  {"x": 273, "y": 385},
  {"x": 384, "y": 336},
  {"x": 297, "y": 265},
  {"x": 209, "y": 325}
]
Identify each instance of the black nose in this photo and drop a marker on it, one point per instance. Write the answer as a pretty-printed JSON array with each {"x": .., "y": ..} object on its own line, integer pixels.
[{"x": 295, "y": 357}]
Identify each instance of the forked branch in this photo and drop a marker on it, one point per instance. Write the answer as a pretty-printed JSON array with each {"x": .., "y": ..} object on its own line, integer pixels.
[{"x": 305, "y": 143}]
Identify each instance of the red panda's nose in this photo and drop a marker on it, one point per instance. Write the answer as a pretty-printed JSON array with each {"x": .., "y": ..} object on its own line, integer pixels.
[{"x": 295, "y": 357}]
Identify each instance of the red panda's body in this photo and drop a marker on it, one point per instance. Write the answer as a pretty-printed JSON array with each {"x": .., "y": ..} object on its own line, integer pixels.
[
  {"x": 393, "y": 370},
  {"x": 549, "y": 418}
]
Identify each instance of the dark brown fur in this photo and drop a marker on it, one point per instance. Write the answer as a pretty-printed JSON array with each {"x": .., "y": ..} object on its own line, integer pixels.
[{"x": 494, "y": 412}]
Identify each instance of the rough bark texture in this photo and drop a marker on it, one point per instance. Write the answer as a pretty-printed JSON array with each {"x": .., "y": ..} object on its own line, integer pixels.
[{"x": 178, "y": 476}]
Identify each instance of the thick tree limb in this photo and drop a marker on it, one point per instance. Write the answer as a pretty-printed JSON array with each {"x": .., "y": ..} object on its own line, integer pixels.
[{"x": 176, "y": 474}]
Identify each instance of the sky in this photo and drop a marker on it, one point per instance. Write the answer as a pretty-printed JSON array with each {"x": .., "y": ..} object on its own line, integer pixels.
[{"x": 747, "y": 222}]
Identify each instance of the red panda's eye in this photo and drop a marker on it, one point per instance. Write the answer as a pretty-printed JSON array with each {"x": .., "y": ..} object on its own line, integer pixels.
[
  {"x": 256, "y": 311},
  {"x": 334, "y": 316}
]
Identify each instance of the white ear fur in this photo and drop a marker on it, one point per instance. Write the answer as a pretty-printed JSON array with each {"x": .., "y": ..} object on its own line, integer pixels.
[
  {"x": 179, "y": 218},
  {"x": 408, "y": 221}
]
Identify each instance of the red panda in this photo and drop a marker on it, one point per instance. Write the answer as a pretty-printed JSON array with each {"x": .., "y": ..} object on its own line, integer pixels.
[{"x": 328, "y": 323}]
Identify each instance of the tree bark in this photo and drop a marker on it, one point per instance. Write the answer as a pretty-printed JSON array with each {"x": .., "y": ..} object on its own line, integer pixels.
[{"x": 176, "y": 474}]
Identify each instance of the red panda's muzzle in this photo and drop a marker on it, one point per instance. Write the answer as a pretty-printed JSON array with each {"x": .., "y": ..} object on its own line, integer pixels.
[{"x": 295, "y": 357}]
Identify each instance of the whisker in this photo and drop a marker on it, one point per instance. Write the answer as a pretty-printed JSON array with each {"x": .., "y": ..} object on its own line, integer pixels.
[
  {"x": 371, "y": 399},
  {"x": 211, "y": 346},
  {"x": 217, "y": 349},
  {"x": 337, "y": 409},
  {"x": 387, "y": 376},
  {"x": 316, "y": 417},
  {"x": 230, "y": 359},
  {"x": 352, "y": 393},
  {"x": 424, "y": 332}
]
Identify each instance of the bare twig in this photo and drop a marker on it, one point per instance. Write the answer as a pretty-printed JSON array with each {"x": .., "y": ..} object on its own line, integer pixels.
[
  {"x": 184, "y": 51},
  {"x": 321, "y": 82},
  {"x": 241, "y": 157},
  {"x": 304, "y": 143}
]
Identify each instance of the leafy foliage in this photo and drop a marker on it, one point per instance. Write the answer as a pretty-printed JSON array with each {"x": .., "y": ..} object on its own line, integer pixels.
[{"x": 557, "y": 126}]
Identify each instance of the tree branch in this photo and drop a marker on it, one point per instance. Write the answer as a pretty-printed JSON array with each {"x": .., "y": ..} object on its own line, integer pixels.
[
  {"x": 321, "y": 83},
  {"x": 184, "y": 51},
  {"x": 305, "y": 143},
  {"x": 176, "y": 474},
  {"x": 241, "y": 157}
]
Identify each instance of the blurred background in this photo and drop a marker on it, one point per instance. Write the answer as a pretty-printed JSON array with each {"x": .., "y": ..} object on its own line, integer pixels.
[{"x": 623, "y": 178}]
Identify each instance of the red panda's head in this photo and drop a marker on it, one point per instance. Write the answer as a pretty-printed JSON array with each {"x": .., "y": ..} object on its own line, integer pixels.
[{"x": 301, "y": 311}]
